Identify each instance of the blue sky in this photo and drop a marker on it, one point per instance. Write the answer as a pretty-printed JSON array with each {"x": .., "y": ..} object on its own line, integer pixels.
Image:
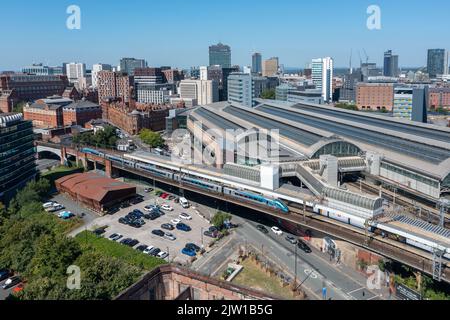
[{"x": 178, "y": 32}]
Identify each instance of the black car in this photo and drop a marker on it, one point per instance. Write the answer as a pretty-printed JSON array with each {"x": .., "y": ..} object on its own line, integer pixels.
[
  {"x": 132, "y": 243},
  {"x": 124, "y": 205},
  {"x": 124, "y": 220},
  {"x": 193, "y": 247},
  {"x": 210, "y": 234},
  {"x": 11, "y": 282},
  {"x": 141, "y": 247},
  {"x": 99, "y": 231},
  {"x": 125, "y": 241},
  {"x": 291, "y": 239},
  {"x": 261, "y": 228},
  {"x": 158, "y": 232},
  {"x": 4, "y": 274},
  {"x": 303, "y": 246},
  {"x": 113, "y": 210},
  {"x": 154, "y": 251},
  {"x": 167, "y": 226}
]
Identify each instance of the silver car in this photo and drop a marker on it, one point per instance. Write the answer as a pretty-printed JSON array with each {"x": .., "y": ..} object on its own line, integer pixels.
[{"x": 170, "y": 236}]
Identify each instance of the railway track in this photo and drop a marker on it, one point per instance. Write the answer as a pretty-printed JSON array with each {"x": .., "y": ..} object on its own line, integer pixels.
[{"x": 427, "y": 213}]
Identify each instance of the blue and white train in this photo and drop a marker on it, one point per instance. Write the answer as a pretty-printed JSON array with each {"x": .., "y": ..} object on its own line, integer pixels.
[{"x": 216, "y": 183}]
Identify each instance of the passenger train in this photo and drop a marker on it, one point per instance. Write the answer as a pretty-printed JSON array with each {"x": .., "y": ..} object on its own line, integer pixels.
[{"x": 272, "y": 200}]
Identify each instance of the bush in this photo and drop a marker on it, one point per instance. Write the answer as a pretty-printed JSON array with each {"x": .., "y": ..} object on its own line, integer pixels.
[{"x": 153, "y": 139}]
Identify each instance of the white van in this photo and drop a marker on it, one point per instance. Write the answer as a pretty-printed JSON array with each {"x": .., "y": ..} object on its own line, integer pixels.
[{"x": 184, "y": 203}]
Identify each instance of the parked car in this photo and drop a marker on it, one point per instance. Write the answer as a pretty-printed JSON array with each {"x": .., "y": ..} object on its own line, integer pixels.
[
  {"x": 55, "y": 207},
  {"x": 188, "y": 252},
  {"x": 175, "y": 221},
  {"x": 277, "y": 231},
  {"x": 184, "y": 203},
  {"x": 185, "y": 216},
  {"x": 124, "y": 205},
  {"x": 4, "y": 274},
  {"x": 193, "y": 246},
  {"x": 125, "y": 241},
  {"x": 65, "y": 215},
  {"x": 141, "y": 248},
  {"x": 170, "y": 236},
  {"x": 162, "y": 255},
  {"x": 261, "y": 228},
  {"x": 167, "y": 226},
  {"x": 155, "y": 251},
  {"x": 170, "y": 198},
  {"x": 115, "y": 236},
  {"x": 150, "y": 207},
  {"x": 166, "y": 207},
  {"x": 11, "y": 282},
  {"x": 100, "y": 231},
  {"x": 291, "y": 239},
  {"x": 303, "y": 246},
  {"x": 123, "y": 220},
  {"x": 150, "y": 248},
  {"x": 210, "y": 234},
  {"x": 49, "y": 204},
  {"x": 158, "y": 232},
  {"x": 147, "y": 190},
  {"x": 183, "y": 227}
]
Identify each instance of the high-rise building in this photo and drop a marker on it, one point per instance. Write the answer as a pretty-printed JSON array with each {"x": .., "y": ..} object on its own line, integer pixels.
[
  {"x": 256, "y": 63},
  {"x": 17, "y": 154},
  {"x": 240, "y": 89},
  {"x": 390, "y": 68},
  {"x": 225, "y": 74},
  {"x": 205, "y": 91},
  {"x": 127, "y": 65},
  {"x": 220, "y": 54},
  {"x": 437, "y": 63},
  {"x": 411, "y": 103},
  {"x": 75, "y": 71},
  {"x": 348, "y": 90},
  {"x": 322, "y": 76},
  {"x": 96, "y": 68},
  {"x": 115, "y": 85},
  {"x": 270, "y": 67}
]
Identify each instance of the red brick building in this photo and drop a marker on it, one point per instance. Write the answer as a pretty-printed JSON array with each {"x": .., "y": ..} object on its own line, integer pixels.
[
  {"x": 80, "y": 113},
  {"x": 94, "y": 190},
  {"x": 133, "y": 118},
  {"x": 115, "y": 85},
  {"x": 7, "y": 100},
  {"x": 31, "y": 87},
  {"x": 439, "y": 97},
  {"x": 44, "y": 115},
  {"x": 375, "y": 96}
]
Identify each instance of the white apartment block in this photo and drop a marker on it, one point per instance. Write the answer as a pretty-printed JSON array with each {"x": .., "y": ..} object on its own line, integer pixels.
[
  {"x": 205, "y": 91},
  {"x": 322, "y": 76},
  {"x": 96, "y": 68},
  {"x": 75, "y": 71}
]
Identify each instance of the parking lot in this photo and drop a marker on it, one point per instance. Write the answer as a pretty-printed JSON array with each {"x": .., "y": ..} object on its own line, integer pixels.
[{"x": 173, "y": 247}]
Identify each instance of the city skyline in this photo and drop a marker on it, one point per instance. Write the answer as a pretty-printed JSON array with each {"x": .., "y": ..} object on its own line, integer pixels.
[{"x": 102, "y": 39}]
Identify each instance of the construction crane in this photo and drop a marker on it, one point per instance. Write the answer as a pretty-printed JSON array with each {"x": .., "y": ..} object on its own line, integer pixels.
[{"x": 367, "y": 57}]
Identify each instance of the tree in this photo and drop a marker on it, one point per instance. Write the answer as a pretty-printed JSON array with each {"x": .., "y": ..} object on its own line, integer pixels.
[
  {"x": 268, "y": 94},
  {"x": 347, "y": 106},
  {"x": 18, "y": 107},
  {"x": 106, "y": 138},
  {"x": 219, "y": 219},
  {"x": 153, "y": 139}
]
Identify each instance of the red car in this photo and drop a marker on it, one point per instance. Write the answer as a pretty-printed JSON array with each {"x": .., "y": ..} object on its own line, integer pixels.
[{"x": 165, "y": 195}]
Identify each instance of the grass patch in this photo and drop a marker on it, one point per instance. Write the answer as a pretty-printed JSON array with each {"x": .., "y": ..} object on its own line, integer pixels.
[
  {"x": 253, "y": 277},
  {"x": 59, "y": 172},
  {"x": 88, "y": 239}
]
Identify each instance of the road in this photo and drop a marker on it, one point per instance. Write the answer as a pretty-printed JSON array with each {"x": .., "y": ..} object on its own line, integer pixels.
[
  {"x": 341, "y": 283},
  {"x": 43, "y": 164}
]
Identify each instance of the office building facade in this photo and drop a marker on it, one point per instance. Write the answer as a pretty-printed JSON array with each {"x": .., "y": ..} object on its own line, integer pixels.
[
  {"x": 220, "y": 54},
  {"x": 41, "y": 70},
  {"x": 411, "y": 103},
  {"x": 240, "y": 89},
  {"x": 437, "y": 62},
  {"x": 270, "y": 67},
  {"x": 257, "y": 63},
  {"x": 204, "y": 91},
  {"x": 115, "y": 85},
  {"x": 75, "y": 71},
  {"x": 128, "y": 65},
  {"x": 390, "y": 68},
  {"x": 322, "y": 76},
  {"x": 17, "y": 154}
]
